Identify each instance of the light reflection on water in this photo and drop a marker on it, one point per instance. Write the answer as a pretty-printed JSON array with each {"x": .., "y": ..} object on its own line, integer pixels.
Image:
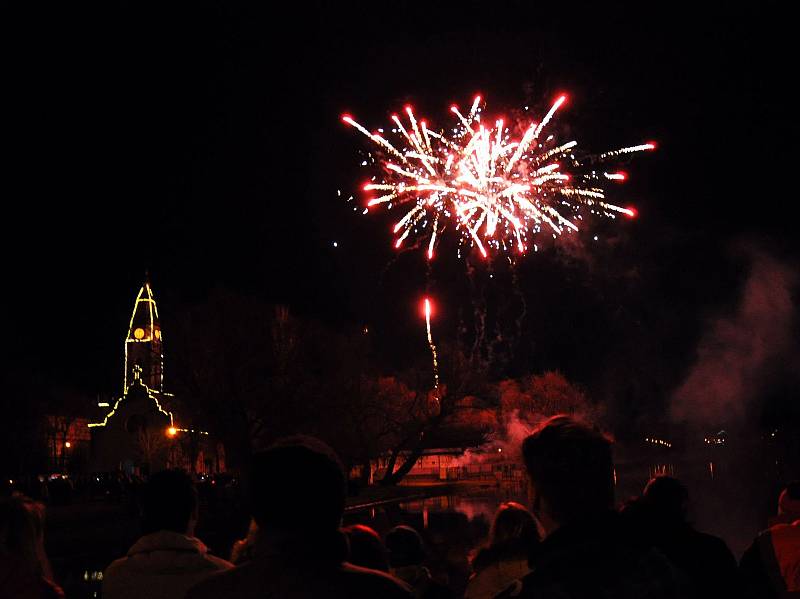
[
  {"x": 472, "y": 503},
  {"x": 452, "y": 525},
  {"x": 720, "y": 503}
]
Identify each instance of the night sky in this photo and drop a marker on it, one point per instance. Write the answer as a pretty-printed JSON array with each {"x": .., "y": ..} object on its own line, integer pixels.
[{"x": 203, "y": 142}]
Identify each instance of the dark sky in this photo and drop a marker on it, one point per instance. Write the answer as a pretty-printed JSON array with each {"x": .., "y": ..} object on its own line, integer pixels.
[{"x": 203, "y": 142}]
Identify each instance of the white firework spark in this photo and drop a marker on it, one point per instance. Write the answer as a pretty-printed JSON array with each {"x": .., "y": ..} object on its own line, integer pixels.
[{"x": 495, "y": 190}]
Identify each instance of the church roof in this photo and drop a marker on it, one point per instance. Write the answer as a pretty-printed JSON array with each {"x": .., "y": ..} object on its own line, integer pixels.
[{"x": 137, "y": 386}]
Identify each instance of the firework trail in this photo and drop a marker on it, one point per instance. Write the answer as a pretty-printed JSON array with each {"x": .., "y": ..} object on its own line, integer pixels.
[
  {"x": 494, "y": 189},
  {"x": 432, "y": 345}
]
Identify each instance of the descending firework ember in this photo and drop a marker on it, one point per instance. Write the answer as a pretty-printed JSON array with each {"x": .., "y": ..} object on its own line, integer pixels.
[{"x": 494, "y": 190}]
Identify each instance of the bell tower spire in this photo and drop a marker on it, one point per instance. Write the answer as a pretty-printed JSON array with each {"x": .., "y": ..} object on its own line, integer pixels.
[{"x": 143, "y": 344}]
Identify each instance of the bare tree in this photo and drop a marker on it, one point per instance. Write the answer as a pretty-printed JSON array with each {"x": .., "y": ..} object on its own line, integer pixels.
[
  {"x": 151, "y": 446},
  {"x": 538, "y": 396},
  {"x": 464, "y": 391}
]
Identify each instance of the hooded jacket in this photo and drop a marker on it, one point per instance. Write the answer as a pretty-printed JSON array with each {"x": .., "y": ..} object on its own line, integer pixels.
[{"x": 162, "y": 564}]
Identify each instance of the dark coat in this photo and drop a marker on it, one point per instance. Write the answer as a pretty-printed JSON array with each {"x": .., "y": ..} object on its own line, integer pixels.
[
  {"x": 276, "y": 576},
  {"x": 704, "y": 559},
  {"x": 595, "y": 559}
]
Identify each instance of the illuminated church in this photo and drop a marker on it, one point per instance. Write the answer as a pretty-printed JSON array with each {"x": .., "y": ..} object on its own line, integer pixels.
[
  {"x": 143, "y": 343},
  {"x": 139, "y": 433}
]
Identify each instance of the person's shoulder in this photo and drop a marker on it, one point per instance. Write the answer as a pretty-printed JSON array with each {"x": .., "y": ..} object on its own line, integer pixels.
[
  {"x": 218, "y": 563},
  {"x": 517, "y": 589},
  {"x": 711, "y": 542},
  {"x": 386, "y": 585},
  {"x": 221, "y": 583},
  {"x": 115, "y": 567},
  {"x": 117, "y": 563},
  {"x": 51, "y": 590},
  {"x": 784, "y": 527},
  {"x": 484, "y": 558}
]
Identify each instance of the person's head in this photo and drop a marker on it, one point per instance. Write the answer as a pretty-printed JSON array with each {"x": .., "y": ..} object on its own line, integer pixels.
[
  {"x": 296, "y": 488},
  {"x": 789, "y": 500},
  {"x": 571, "y": 471},
  {"x": 366, "y": 548},
  {"x": 405, "y": 547},
  {"x": 22, "y": 534},
  {"x": 512, "y": 522},
  {"x": 667, "y": 498},
  {"x": 169, "y": 502}
]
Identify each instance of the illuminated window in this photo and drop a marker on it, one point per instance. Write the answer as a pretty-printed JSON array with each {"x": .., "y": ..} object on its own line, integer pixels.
[{"x": 139, "y": 333}]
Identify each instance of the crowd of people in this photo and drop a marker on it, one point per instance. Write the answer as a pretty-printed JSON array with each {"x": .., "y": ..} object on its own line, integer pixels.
[{"x": 569, "y": 543}]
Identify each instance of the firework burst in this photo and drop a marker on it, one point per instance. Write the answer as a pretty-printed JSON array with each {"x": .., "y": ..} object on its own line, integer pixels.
[{"x": 496, "y": 189}]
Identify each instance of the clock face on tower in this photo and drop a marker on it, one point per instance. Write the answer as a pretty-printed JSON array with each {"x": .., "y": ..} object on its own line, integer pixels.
[{"x": 138, "y": 333}]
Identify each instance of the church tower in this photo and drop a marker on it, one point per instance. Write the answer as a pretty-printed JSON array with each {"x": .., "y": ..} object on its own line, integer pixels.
[{"x": 143, "y": 343}]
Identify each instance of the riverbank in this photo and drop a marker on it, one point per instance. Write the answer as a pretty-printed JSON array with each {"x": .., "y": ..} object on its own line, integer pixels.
[{"x": 376, "y": 495}]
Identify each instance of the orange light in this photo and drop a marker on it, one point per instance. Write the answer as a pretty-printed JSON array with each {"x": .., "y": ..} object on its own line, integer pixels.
[
  {"x": 172, "y": 431},
  {"x": 67, "y": 444}
]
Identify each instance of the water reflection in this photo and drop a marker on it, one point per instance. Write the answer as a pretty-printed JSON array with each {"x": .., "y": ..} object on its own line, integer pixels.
[
  {"x": 472, "y": 503},
  {"x": 454, "y": 525}
]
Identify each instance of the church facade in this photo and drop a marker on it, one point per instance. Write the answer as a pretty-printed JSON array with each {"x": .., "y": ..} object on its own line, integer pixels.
[{"x": 140, "y": 432}]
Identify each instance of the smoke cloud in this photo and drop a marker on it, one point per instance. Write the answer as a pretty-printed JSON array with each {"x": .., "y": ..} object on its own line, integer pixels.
[
  {"x": 508, "y": 438},
  {"x": 738, "y": 353}
]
